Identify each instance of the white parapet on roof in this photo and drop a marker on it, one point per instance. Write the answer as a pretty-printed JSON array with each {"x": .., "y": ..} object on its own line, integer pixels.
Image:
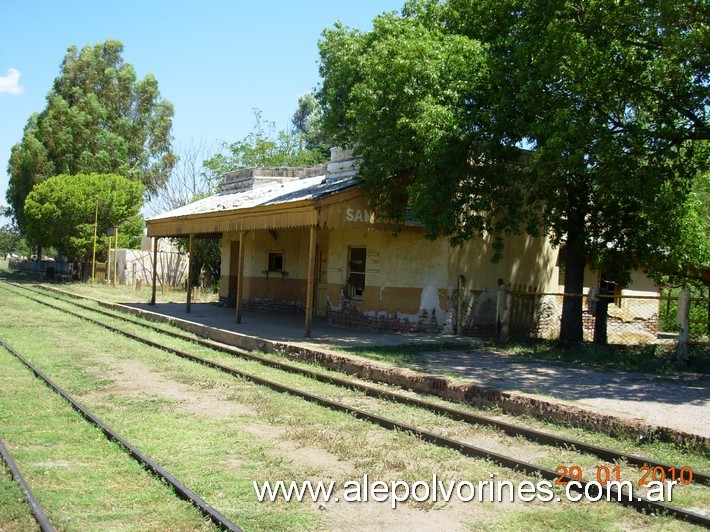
[
  {"x": 249, "y": 178},
  {"x": 253, "y": 187},
  {"x": 341, "y": 164}
]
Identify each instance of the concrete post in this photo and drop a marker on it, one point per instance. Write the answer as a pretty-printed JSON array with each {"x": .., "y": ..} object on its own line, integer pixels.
[
  {"x": 93, "y": 257},
  {"x": 459, "y": 303},
  {"x": 503, "y": 311},
  {"x": 684, "y": 323},
  {"x": 155, "y": 268},
  {"x": 115, "y": 261}
]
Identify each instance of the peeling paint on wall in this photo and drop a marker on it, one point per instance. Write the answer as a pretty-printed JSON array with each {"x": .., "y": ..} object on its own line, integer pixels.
[{"x": 430, "y": 300}]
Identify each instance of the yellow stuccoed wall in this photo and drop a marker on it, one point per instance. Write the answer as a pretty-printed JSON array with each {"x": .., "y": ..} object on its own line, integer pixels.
[
  {"x": 526, "y": 261},
  {"x": 293, "y": 243},
  {"x": 404, "y": 272},
  {"x": 411, "y": 282},
  {"x": 398, "y": 269}
]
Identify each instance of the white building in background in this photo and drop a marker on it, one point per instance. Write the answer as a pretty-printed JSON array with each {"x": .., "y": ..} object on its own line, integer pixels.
[
  {"x": 137, "y": 264},
  {"x": 165, "y": 245}
]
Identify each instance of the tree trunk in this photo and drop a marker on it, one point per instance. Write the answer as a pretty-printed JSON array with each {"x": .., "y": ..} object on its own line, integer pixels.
[
  {"x": 571, "y": 331},
  {"x": 600, "y": 318}
]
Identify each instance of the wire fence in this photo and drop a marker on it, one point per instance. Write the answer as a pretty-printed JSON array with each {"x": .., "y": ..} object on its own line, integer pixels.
[
  {"x": 624, "y": 319},
  {"x": 698, "y": 319}
]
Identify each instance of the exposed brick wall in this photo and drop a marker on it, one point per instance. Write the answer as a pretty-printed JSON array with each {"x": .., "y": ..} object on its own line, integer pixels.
[
  {"x": 264, "y": 305},
  {"x": 348, "y": 315},
  {"x": 623, "y": 331},
  {"x": 272, "y": 305},
  {"x": 588, "y": 321},
  {"x": 530, "y": 317},
  {"x": 227, "y": 301},
  {"x": 534, "y": 316}
]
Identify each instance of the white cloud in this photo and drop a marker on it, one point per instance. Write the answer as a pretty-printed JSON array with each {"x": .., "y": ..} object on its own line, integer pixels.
[{"x": 10, "y": 83}]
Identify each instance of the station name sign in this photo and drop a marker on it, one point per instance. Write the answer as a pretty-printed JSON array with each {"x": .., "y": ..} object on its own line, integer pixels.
[{"x": 359, "y": 215}]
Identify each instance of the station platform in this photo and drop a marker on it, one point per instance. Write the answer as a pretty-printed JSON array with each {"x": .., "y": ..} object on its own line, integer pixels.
[
  {"x": 289, "y": 327},
  {"x": 475, "y": 369}
]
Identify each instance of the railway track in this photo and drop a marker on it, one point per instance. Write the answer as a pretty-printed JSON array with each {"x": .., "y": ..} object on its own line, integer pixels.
[
  {"x": 35, "y": 508},
  {"x": 640, "y": 503},
  {"x": 372, "y": 391},
  {"x": 181, "y": 490}
]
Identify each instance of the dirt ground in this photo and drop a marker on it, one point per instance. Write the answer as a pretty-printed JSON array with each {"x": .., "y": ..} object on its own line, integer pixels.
[{"x": 135, "y": 379}]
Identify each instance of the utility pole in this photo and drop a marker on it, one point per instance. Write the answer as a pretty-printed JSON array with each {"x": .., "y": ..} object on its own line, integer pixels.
[
  {"x": 93, "y": 258},
  {"x": 684, "y": 326},
  {"x": 115, "y": 261}
]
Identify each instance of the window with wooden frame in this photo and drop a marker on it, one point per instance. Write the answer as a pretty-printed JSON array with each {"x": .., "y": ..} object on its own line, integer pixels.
[
  {"x": 276, "y": 261},
  {"x": 357, "y": 258}
]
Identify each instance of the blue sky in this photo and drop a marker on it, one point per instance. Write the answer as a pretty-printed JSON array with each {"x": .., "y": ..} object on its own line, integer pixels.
[{"x": 214, "y": 60}]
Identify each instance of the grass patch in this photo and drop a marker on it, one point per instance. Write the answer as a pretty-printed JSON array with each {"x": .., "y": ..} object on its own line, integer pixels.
[
  {"x": 652, "y": 359},
  {"x": 649, "y": 359},
  {"x": 82, "y": 481},
  {"x": 129, "y": 293},
  {"x": 77, "y": 356},
  {"x": 587, "y": 516},
  {"x": 14, "y": 511},
  {"x": 116, "y": 294},
  {"x": 12, "y": 275},
  {"x": 220, "y": 452},
  {"x": 405, "y": 355}
]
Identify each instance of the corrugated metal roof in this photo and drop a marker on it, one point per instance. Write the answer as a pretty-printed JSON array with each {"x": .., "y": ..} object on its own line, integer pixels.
[{"x": 273, "y": 193}]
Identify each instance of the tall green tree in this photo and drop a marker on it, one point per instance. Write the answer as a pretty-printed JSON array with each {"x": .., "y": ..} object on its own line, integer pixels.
[
  {"x": 306, "y": 121},
  {"x": 610, "y": 100},
  {"x": 687, "y": 257},
  {"x": 12, "y": 242},
  {"x": 99, "y": 118},
  {"x": 263, "y": 146},
  {"x": 613, "y": 97},
  {"x": 61, "y": 211}
]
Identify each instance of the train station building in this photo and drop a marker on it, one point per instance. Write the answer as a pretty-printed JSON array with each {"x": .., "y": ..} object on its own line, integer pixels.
[{"x": 305, "y": 240}]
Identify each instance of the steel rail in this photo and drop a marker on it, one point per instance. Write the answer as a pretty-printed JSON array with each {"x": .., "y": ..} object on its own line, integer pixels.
[
  {"x": 371, "y": 391},
  {"x": 36, "y": 509},
  {"x": 641, "y": 504},
  {"x": 182, "y": 491}
]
